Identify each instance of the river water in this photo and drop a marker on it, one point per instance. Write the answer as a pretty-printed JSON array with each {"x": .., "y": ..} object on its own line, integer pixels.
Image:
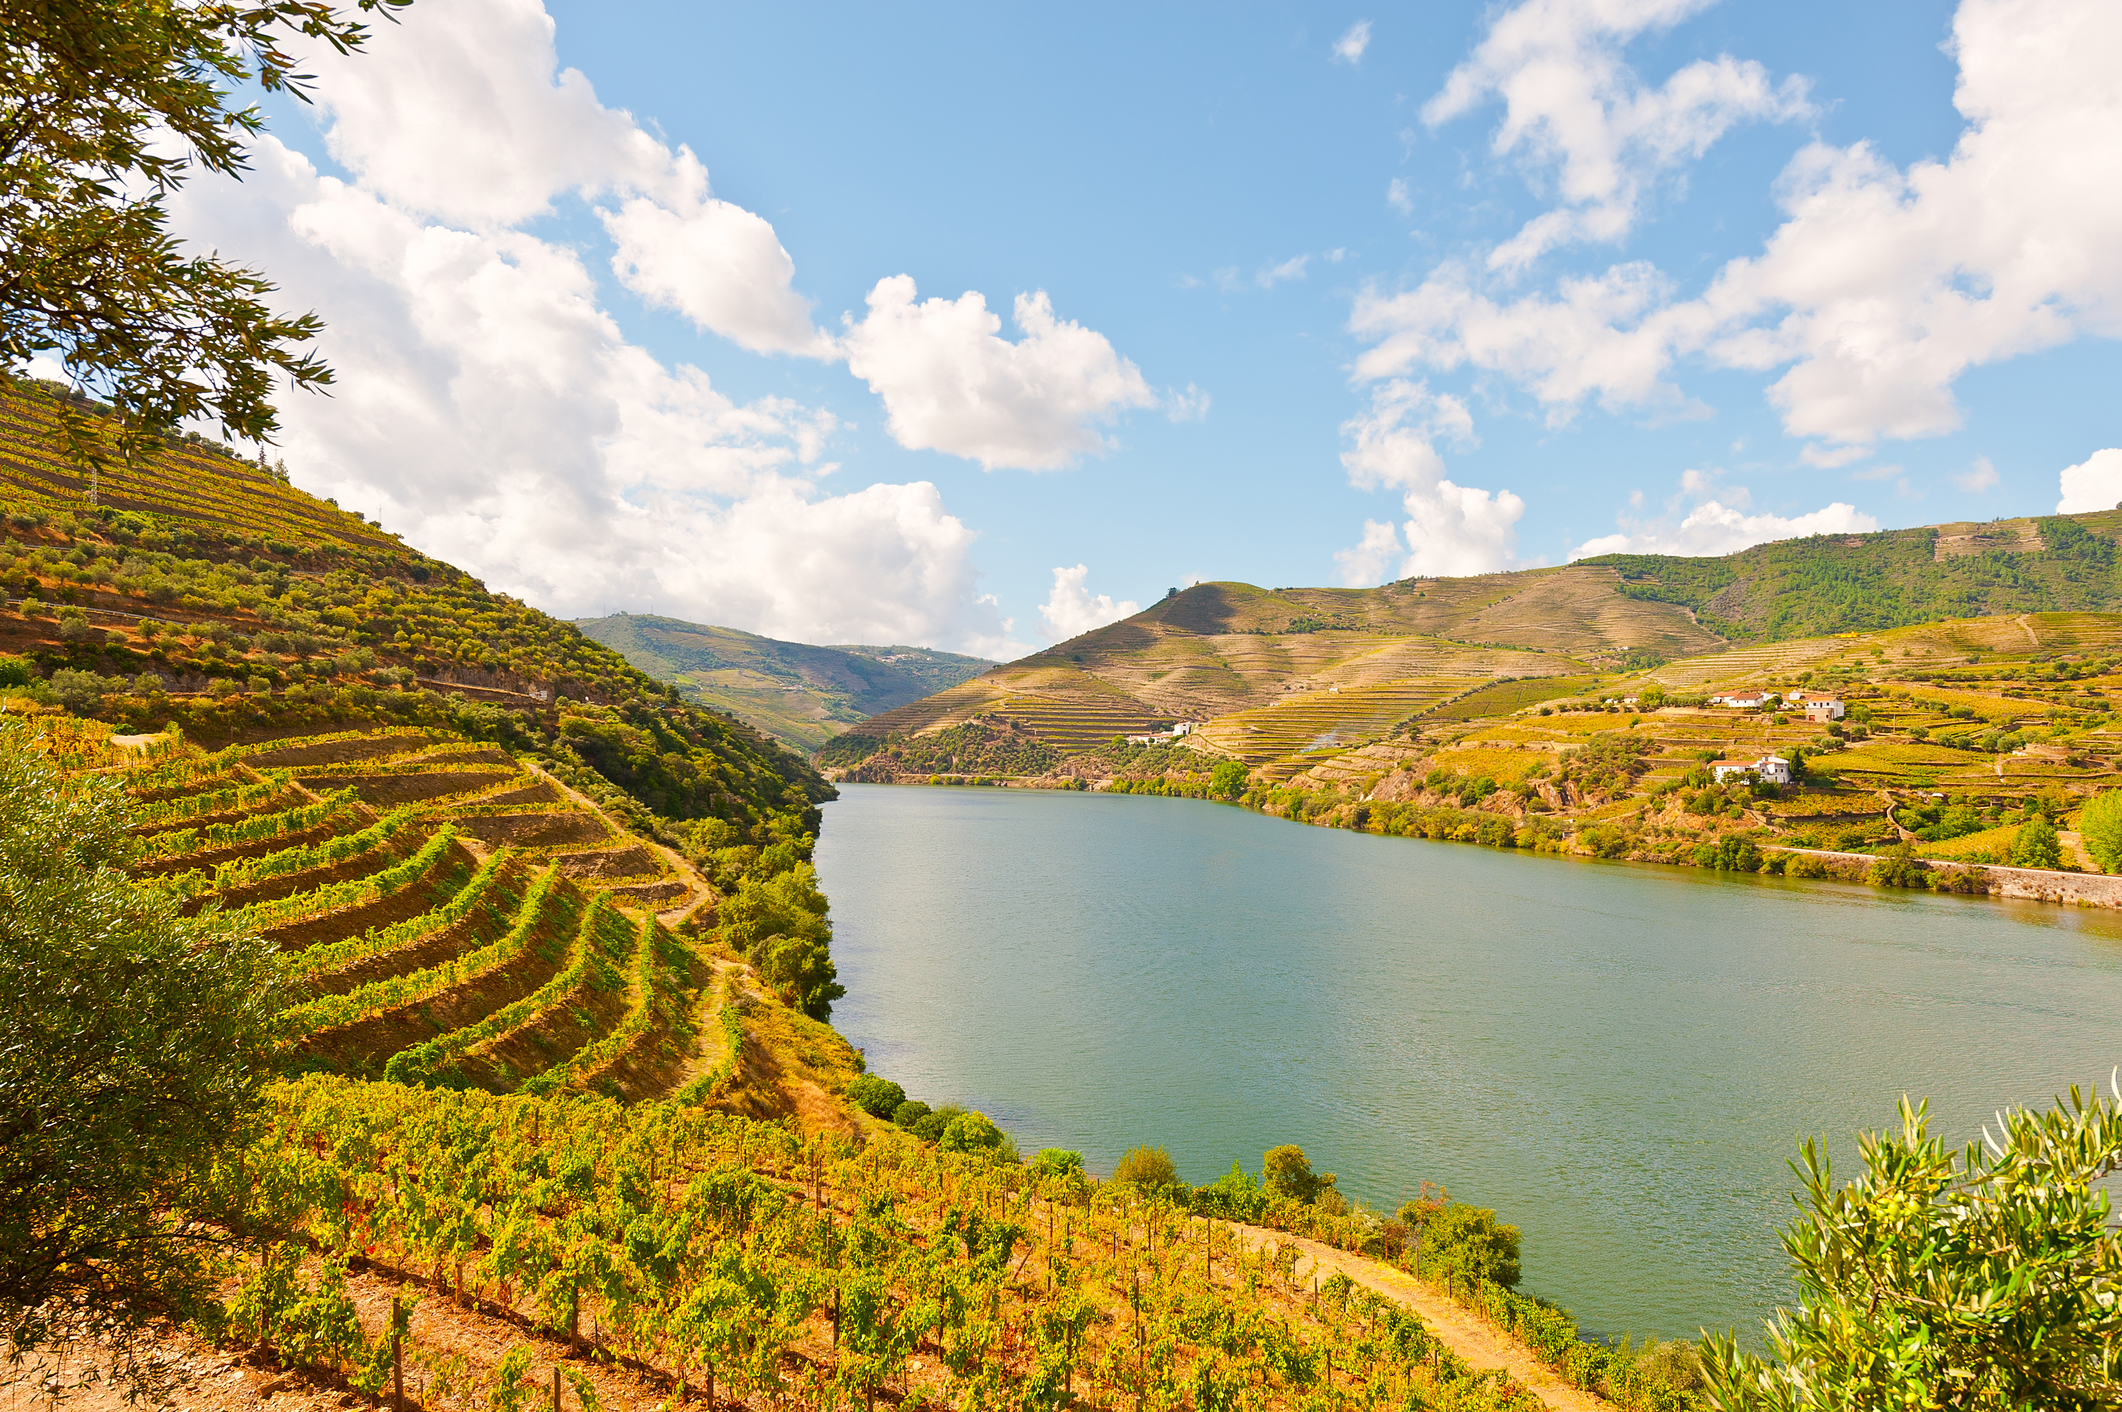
[{"x": 1620, "y": 1059}]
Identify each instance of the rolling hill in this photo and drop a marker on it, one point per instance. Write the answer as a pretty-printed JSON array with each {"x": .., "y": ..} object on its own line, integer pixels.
[
  {"x": 800, "y": 694},
  {"x": 1279, "y": 678}
]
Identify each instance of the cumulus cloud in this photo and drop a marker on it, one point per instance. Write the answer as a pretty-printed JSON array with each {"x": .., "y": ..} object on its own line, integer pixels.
[
  {"x": 1348, "y": 49},
  {"x": 1880, "y": 287},
  {"x": 1399, "y": 197},
  {"x": 1719, "y": 524},
  {"x": 1071, "y": 610},
  {"x": 1370, "y": 560},
  {"x": 492, "y": 410},
  {"x": 2095, "y": 483},
  {"x": 1573, "y": 105},
  {"x": 1450, "y": 529},
  {"x": 951, "y": 383}
]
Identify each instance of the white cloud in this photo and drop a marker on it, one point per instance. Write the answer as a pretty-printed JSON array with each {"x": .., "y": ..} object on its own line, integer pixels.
[
  {"x": 1881, "y": 286},
  {"x": 1188, "y": 406},
  {"x": 1720, "y": 525},
  {"x": 1070, "y": 610},
  {"x": 1572, "y": 104},
  {"x": 461, "y": 113},
  {"x": 718, "y": 264},
  {"x": 1369, "y": 562},
  {"x": 950, "y": 383},
  {"x": 1983, "y": 476},
  {"x": 2095, "y": 483},
  {"x": 1399, "y": 197},
  {"x": 1450, "y": 529},
  {"x": 1348, "y": 49},
  {"x": 1292, "y": 268},
  {"x": 492, "y": 410}
]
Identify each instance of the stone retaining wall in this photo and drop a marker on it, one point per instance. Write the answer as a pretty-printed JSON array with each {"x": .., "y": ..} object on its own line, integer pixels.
[{"x": 2033, "y": 884}]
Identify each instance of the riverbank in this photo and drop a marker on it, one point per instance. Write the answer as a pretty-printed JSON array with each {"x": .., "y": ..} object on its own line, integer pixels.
[{"x": 1745, "y": 851}]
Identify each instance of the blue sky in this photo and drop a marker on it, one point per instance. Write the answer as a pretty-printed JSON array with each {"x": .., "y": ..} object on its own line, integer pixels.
[{"x": 1318, "y": 294}]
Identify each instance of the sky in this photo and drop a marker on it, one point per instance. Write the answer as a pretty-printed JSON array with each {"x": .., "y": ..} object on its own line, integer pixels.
[{"x": 976, "y": 327}]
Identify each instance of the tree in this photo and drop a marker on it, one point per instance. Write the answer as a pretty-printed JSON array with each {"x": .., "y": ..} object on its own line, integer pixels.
[
  {"x": 1466, "y": 1243},
  {"x": 2036, "y": 844},
  {"x": 1149, "y": 1168},
  {"x": 1930, "y": 1281},
  {"x": 971, "y": 1132},
  {"x": 780, "y": 925},
  {"x": 1287, "y": 1172},
  {"x": 106, "y": 108},
  {"x": 880, "y": 1098},
  {"x": 1227, "y": 780},
  {"x": 2100, "y": 825},
  {"x": 131, "y": 1053}
]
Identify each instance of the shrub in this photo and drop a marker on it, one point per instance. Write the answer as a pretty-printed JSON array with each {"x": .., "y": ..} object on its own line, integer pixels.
[
  {"x": 1228, "y": 779},
  {"x": 880, "y": 1098},
  {"x": 1234, "y": 1194},
  {"x": 1898, "y": 869},
  {"x": 1149, "y": 1168},
  {"x": 1465, "y": 1243},
  {"x": 1287, "y": 1173},
  {"x": 910, "y": 1113},
  {"x": 14, "y": 671},
  {"x": 1056, "y": 1162},
  {"x": 2100, "y": 826},
  {"x": 970, "y": 1132},
  {"x": 79, "y": 692},
  {"x": 2036, "y": 845},
  {"x": 930, "y": 1127}
]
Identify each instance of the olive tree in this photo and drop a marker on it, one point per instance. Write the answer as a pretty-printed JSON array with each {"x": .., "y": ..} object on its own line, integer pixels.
[
  {"x": 132, "y": 1048},
  {"x": 106, "y": 108},
  {"x": 1989, "y": 1278}
]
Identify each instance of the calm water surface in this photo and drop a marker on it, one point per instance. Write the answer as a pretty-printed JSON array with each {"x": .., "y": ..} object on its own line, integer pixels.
[{"x": 1620, "y": 1059}]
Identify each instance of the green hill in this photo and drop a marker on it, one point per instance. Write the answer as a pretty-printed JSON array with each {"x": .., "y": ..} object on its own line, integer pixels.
[
  {"x": 803, "y": 695},
  {"x": 1282, "y": 678}
]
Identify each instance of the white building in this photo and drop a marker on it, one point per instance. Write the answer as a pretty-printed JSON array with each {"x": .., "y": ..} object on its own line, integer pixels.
[
  {"x": 1743, "y": 700},
  {"x": 1769, "y": 769}
]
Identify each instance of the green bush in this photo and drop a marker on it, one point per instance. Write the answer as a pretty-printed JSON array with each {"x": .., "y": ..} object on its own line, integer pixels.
[
  {"x": 1287, "y": 1173},
  {"x": 970, "y": 1132},
  {"x": 2100, "y": 826},
  {"x": 2036, "y": 845},
  {"x": 1465, "y": 1243},
  {"x": 14, "y": 671},
  {"x": 1898, "y": 869},
  {"x": 1228, "y": 779},
  {"x": 910, "y": 1113},
  {"x": 931, "y": 1126},
  {"x": 1056, "y": 1162},
  {"x": 1149, "y": 1168},
  {"x": 880, "y": 1098}
]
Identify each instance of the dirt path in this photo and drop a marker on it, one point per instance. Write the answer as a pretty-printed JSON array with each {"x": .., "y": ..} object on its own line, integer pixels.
[{"x": 1461, "y": 1330}]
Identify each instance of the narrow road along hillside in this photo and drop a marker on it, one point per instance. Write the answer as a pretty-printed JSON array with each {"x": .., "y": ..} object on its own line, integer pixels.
[{"x": 1461, "y": 1330}]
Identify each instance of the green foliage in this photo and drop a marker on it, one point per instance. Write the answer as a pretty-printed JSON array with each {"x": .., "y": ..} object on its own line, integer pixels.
[
  {"x": 1149, "y": 1168},
  {"x": 109, "y": 107},
  {"x": 1828, "y": 584},
  {"x": 1287, "y": 1172},
  {"x": 780, "y": 925},
  {"x": 985, "y": 745},
  {"x": 910, "y": 1113},
  {"x": 1056, "y": 1162},
  {"x": 1228, "y": 779},
  {"x": 1985, "y": 1280},
  {"x": 880, "y": 1098},
  {"x": 1234, "y": 1195},
  {"x": 1898, "y": 869},
  {"x": 131, "y": 1050},
  {"x": 2035, "y": 845},
  {"x": 1466, "y": 1244},
  {"x": 1729, "y": 854},
  {"x": 2100, "y": 826},
  {"x": 971, "y": 1132},
  {"x": 1607, "y": 763}
]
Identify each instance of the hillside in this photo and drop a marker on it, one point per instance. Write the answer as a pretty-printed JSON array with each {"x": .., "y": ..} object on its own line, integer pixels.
[
  {"x": 1279, "y": 678},
  {"x": 800, "y": 694}
]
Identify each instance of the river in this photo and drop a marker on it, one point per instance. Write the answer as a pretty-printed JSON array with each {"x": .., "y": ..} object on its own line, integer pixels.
[{"x": 1620, "y": 1059}]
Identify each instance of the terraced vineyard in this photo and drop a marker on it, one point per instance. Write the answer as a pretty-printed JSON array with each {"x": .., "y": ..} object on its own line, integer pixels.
[
  {"x": 1290, "y": 735},
  {"x": 450, "y": 915}
]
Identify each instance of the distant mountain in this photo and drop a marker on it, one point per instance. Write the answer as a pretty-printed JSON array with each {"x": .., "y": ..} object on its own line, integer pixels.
[{"x": 805, "y": 695}]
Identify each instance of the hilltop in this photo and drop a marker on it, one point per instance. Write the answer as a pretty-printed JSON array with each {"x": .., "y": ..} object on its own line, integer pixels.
[
  {"x": 1275, "y": 677},
  {"x": 800, "y": 694}
]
